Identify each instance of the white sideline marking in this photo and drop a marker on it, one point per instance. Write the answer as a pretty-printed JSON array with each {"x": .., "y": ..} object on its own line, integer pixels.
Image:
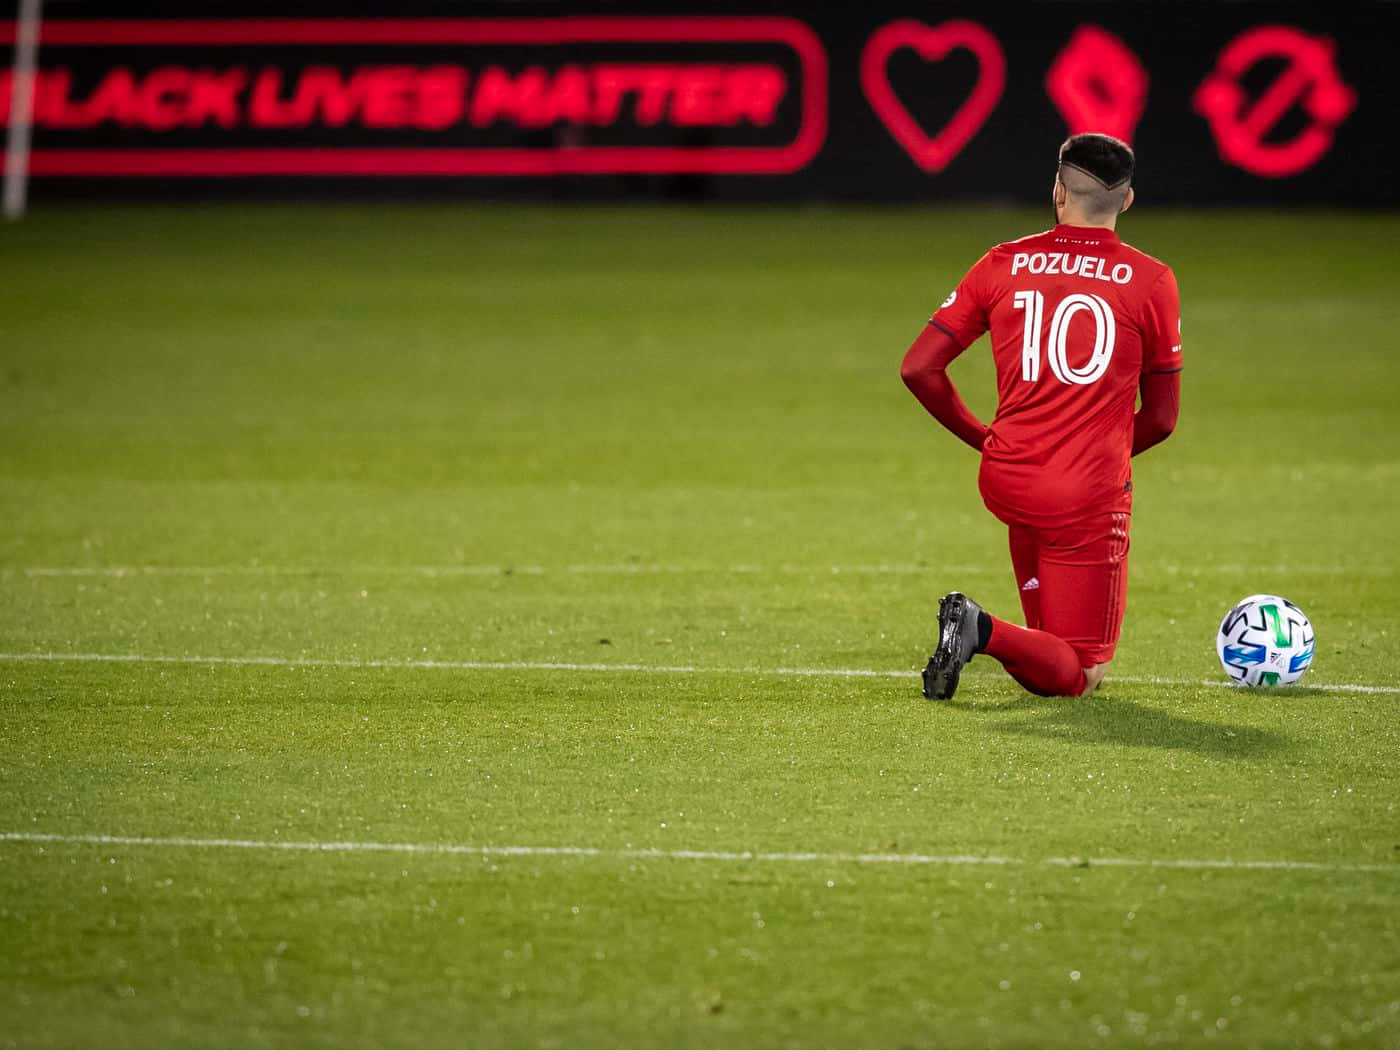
[
  {"x": 1338, "y": 687},
  {"x": 694, "y": 854},
  {"x": 533, "y": 665},
  {"x": 443, "y": 665}
]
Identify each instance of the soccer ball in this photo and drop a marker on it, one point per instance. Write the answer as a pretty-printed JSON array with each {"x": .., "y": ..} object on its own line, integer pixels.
[{"x": 1265, "y": 640}]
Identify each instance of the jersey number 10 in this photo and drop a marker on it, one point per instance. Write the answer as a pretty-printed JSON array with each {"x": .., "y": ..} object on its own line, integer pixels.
[{"x": 1033, "y": 303}]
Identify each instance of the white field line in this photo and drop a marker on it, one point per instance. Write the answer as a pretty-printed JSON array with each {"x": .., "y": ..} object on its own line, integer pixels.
[
  {"x": 640, "y": 569},
  {"x": 744, "y": 856},
  {"x": 591, "y": 668},
  {"x": 445, "y": 665}
]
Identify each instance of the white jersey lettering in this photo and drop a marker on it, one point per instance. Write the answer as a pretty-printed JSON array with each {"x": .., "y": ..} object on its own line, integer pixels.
[
  {"x": 1062, "y": 263},
  {"x": 1105, "y": 335}
]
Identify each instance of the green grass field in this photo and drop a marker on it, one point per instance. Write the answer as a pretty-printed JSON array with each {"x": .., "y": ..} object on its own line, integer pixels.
[{"x": 530, "y": 556}]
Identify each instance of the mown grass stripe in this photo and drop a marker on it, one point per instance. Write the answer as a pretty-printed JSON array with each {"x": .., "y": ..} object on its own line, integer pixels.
[{"x": 645, "y": 569}]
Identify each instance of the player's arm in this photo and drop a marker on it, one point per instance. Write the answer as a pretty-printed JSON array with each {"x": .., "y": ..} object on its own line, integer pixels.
[
  {"x": 925, "y": 373},
  {"x": 1159, "y": 389},
  {"x": 1155, "y": 419},
  {"x": 954, "y": 326}
]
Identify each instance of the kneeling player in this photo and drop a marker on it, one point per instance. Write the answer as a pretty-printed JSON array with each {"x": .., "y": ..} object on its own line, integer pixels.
[{"x": 1082, "y": 325}]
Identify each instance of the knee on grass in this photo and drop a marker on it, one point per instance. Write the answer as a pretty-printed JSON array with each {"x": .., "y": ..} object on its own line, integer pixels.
[{"x": 1093, "y": 676}]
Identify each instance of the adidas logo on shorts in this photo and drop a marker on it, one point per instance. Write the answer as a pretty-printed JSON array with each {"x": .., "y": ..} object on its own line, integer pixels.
[{"x": 1033, "y": 584}]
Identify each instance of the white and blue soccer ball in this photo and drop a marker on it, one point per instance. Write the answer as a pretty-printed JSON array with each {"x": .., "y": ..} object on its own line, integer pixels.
[{"x": 1265, "y": 640}]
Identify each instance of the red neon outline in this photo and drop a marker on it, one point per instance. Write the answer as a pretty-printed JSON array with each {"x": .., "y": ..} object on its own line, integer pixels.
[
  {"x": 583, "y": 160},
  {"x": 1311, "y": 78},
  {"x": 1093, "y": 53},
  {"x": 933, "y": 43}
]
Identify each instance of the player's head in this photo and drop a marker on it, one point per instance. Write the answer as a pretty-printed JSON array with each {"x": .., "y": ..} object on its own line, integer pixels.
[{"x": 1094, "y": 180}]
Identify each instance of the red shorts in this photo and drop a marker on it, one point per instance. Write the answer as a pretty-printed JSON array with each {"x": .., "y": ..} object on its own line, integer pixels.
[{"x": 1074, "y": 581}]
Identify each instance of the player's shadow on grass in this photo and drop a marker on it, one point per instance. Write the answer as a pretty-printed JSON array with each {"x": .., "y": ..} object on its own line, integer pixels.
[{"x": 1102, "y": 719}]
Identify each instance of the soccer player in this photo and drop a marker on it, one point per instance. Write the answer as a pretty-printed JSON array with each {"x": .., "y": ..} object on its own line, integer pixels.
[{"x": 1082, "y": 326}]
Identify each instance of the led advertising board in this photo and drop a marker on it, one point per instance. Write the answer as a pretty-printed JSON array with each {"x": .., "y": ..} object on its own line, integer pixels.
[{"x": 1226, "y": 103}]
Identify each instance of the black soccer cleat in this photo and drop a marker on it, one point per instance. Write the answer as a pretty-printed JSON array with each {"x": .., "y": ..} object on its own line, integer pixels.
[{"x": 957, "y": 644}]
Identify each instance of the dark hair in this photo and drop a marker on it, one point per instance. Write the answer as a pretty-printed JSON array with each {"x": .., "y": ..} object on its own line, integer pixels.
[{"x": 1104, "y": 157}]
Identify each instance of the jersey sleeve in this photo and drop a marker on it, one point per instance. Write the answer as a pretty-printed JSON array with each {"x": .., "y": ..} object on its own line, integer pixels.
[
  {"x": 1161, "y": 326},
  {"x": 964, "y": 314}
]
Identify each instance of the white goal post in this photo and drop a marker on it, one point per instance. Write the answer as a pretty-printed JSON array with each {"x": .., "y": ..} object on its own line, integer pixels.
[{"x": 21, "y": 108}]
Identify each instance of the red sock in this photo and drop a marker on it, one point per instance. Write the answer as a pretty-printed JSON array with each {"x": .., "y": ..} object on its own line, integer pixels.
[{"x": 1042, "y": 662}]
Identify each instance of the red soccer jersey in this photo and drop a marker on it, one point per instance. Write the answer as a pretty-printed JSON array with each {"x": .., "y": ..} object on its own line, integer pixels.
[{"x": 1076, "y": 317}]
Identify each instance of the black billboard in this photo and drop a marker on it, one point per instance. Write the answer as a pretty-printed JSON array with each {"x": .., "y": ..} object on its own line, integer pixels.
[{"x": 1226, "y": 103}]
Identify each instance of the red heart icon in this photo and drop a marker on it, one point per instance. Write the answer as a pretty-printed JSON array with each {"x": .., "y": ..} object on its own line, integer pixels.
[{"x": 933, "y": 45}]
